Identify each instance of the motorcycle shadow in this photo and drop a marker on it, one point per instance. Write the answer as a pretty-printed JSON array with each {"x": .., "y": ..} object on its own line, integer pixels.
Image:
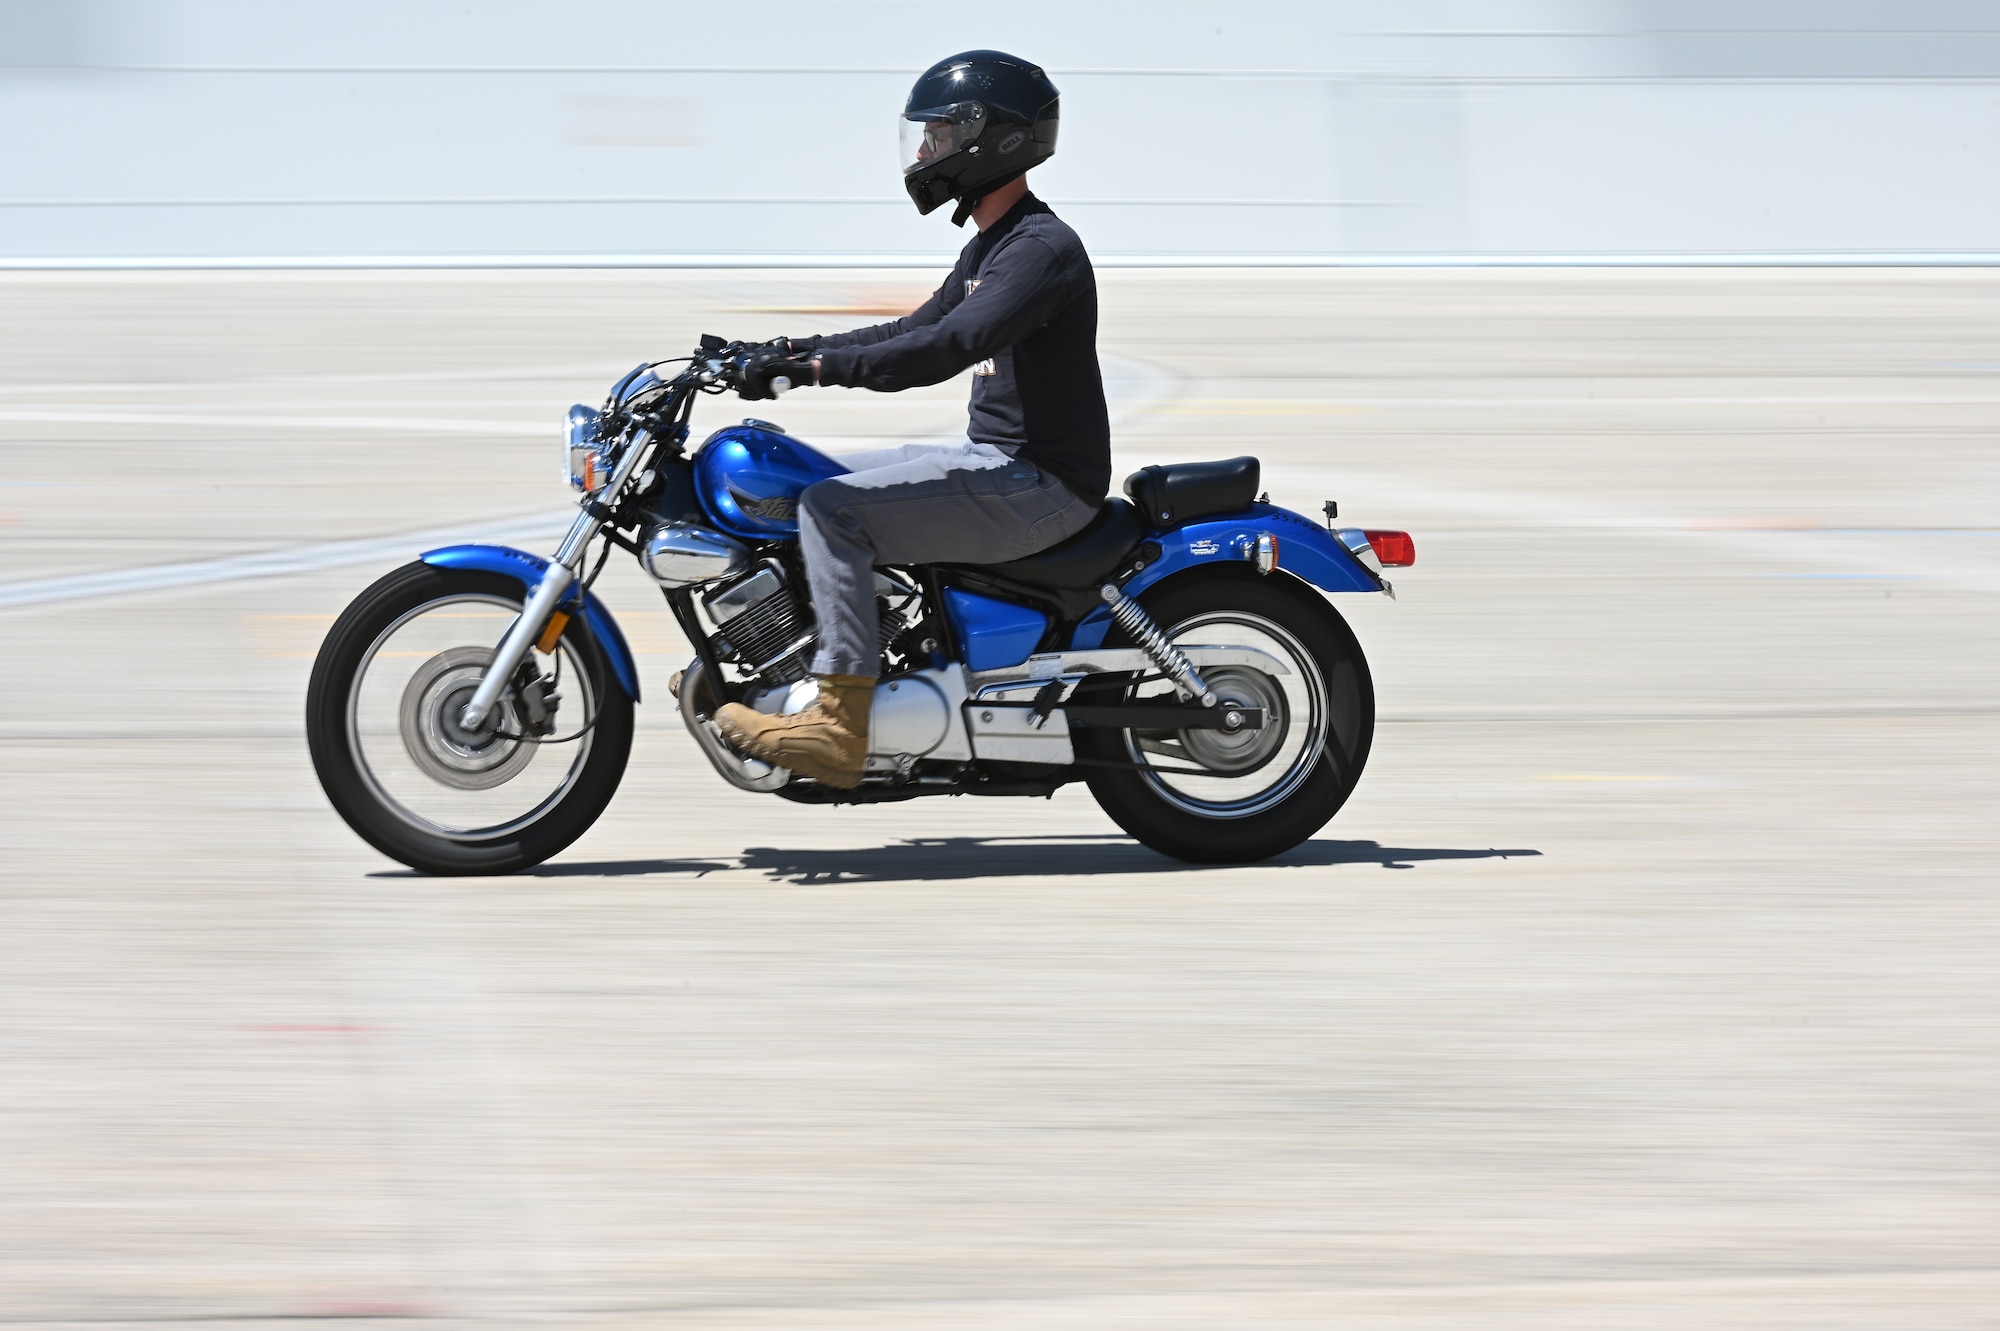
[{"x": 942, "y": 859}]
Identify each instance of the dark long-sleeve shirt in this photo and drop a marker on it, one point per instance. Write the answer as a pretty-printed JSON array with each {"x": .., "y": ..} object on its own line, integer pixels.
[{"x": 1021, "y": 308}]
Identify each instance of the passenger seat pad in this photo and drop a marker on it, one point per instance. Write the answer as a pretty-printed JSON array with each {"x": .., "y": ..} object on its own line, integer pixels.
[{"x": 1188, "y": 491}]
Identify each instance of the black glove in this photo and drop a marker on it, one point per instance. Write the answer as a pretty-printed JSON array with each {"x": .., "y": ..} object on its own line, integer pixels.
[{"x": 771, "y": 370}]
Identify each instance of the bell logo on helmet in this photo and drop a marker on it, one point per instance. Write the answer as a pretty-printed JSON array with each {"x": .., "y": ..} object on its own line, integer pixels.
[{"x": 1013, "y": 141}]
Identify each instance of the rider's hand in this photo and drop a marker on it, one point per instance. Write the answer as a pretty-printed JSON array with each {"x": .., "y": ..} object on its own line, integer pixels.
[{"x": 771, "y": 370}]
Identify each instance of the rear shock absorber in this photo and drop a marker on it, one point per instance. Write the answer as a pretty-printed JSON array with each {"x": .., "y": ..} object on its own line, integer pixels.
[{"x": 1173, "y": 663}]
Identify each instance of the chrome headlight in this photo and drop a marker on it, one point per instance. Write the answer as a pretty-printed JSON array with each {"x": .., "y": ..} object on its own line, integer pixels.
[{"x": 586, "y": 462}]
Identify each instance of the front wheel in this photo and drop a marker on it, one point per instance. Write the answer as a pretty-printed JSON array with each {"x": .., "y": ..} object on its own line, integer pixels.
[
  {"x": 1215, "y": 796},
  {"x": 382, "y": 714}
]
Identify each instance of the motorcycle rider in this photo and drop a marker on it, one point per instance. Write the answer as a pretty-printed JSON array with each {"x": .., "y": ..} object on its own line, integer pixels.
[{"x": 1020, "y": 309}]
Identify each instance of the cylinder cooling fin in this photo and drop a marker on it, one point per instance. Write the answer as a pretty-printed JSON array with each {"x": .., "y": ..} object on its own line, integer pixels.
[{"x": 762, "y": 625}]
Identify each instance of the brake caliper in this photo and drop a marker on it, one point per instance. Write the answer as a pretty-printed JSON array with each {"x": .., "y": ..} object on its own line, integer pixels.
[{"x": 538, "y": 698}]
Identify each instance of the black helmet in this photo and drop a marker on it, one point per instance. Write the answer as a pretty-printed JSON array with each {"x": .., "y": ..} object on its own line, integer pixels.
[{"x": 974, "y": 122}]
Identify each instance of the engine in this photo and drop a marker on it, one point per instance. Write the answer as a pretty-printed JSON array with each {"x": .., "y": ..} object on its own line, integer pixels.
[
  {"x": 765, "y": 628},
  {"x": 764, "y": 625}
]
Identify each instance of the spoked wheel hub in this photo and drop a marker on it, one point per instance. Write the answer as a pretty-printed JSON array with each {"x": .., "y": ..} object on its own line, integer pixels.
[{"x": 1244, "y": 749}]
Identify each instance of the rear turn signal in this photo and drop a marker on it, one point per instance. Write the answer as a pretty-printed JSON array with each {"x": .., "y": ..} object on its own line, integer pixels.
[{"x": 1394, "y": 548}]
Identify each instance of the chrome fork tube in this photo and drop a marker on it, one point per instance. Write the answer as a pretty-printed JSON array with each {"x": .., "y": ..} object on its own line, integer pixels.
[
  {"x": 526, "y": 628},
  {"x": 548, "y": 594}
]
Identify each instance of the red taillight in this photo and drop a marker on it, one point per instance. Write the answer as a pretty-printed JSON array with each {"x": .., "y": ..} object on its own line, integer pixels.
[{"x": 1394, "y": 548}]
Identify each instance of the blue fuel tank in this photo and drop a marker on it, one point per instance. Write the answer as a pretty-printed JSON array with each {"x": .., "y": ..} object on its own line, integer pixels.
[{"x": 748, "y": 479}]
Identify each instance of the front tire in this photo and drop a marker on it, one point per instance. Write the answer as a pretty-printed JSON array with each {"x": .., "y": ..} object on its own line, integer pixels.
[
  {"x": 380, "y": 722},
  {"x": 1272, "y": 788}
]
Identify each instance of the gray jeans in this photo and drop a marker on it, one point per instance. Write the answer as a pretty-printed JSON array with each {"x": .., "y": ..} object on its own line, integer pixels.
[{"x": 960, "y": 503}]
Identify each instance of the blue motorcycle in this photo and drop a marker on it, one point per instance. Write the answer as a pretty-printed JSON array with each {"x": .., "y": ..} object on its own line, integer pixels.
[{"x": 472, "y": 712}]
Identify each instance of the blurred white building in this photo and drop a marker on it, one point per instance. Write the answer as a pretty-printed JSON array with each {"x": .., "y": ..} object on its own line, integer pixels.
[{"x": 501, "y": 130}]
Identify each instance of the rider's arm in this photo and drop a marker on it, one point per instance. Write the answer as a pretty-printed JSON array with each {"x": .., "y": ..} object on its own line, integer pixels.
[
  {"x": 932, "y": 310},
  {"x": 1022, "y": 288}
]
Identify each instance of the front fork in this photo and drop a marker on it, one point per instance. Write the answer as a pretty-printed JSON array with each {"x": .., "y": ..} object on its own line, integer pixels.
[
  {"x": 514, "y": 647},
  {"x": 548, "y": 594}
]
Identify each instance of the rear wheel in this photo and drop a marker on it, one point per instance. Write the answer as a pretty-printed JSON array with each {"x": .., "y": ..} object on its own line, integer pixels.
[
  {"x": 1216, "y": 796},
  {"x": 382, "y": 715}
]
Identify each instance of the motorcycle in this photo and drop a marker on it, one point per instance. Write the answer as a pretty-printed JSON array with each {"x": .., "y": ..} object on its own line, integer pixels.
[{"x": 472, "y": 711}]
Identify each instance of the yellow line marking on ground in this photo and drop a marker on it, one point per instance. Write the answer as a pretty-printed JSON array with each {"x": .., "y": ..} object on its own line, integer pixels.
[{"x": 894, "y": 301}]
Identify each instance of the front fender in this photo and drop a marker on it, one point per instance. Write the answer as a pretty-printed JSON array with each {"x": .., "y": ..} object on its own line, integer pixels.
[
  {"x": 1306, "y": 549},
  {"x": 527, "y": 569}
]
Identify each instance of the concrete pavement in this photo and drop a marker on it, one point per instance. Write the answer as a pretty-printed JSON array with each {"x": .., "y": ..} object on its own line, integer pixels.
[{"x": 1646, "y": 982}]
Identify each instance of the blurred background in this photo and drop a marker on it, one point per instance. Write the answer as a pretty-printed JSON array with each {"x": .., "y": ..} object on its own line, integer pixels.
[
  {"x": 1646, "y": 981},
  {"x": 604, "y": 131}
]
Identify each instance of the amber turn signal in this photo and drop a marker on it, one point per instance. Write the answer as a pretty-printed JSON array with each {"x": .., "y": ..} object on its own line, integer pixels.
[{"x": 553, "y": 633}]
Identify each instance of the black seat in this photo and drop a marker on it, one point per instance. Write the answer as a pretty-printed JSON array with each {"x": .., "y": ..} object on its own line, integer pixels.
[
  {"x": 1085, "y": 559},
  {"x": 1190, "y": 491}
]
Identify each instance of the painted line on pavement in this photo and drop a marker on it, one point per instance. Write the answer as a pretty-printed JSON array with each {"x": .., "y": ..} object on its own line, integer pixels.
[
  {"x": 1132, "y": 386},
  {"x": 943, "y": 260},
  {"x": 429, "y": 424},
  {"x": 271, "y": 563}
]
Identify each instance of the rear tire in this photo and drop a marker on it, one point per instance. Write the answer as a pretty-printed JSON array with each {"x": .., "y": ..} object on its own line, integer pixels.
[
  {"x": 1329, "y": 715},
  {"x": 360, "y": 794}
]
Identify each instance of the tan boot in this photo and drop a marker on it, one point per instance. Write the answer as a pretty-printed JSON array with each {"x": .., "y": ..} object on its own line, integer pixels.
[{"x": 828, "y": 741}]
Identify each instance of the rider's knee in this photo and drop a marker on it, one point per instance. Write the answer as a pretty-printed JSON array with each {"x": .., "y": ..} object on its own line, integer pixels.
[{"x": 824, "y": 500}]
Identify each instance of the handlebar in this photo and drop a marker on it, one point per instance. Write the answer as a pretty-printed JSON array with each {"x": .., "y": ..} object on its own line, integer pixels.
[
  {"x": 715, "y": 367},
  {"x": 648, "y": 408}
]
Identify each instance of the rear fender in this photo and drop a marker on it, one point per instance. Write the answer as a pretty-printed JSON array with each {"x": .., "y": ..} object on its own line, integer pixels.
[
  {"x": 1306, "y": 549},
  {"x": 527, "y": 569}
]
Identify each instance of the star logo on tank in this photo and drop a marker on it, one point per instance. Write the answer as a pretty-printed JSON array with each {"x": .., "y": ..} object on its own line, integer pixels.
[{"x": 777, "y": 508}]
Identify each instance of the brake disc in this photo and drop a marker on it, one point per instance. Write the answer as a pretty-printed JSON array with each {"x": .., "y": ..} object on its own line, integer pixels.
[{"x": 444, "y": 750}]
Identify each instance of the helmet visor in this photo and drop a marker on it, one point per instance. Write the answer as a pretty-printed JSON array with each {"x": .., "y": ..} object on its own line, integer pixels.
[{"x": 937, "y": 133}]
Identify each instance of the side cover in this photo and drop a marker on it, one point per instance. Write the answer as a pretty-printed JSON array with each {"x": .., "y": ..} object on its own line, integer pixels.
[
  {"x": 1306, "y": 549},
  {"x": 528, "y": 570},
  {"x": 992, "y": 633}
]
